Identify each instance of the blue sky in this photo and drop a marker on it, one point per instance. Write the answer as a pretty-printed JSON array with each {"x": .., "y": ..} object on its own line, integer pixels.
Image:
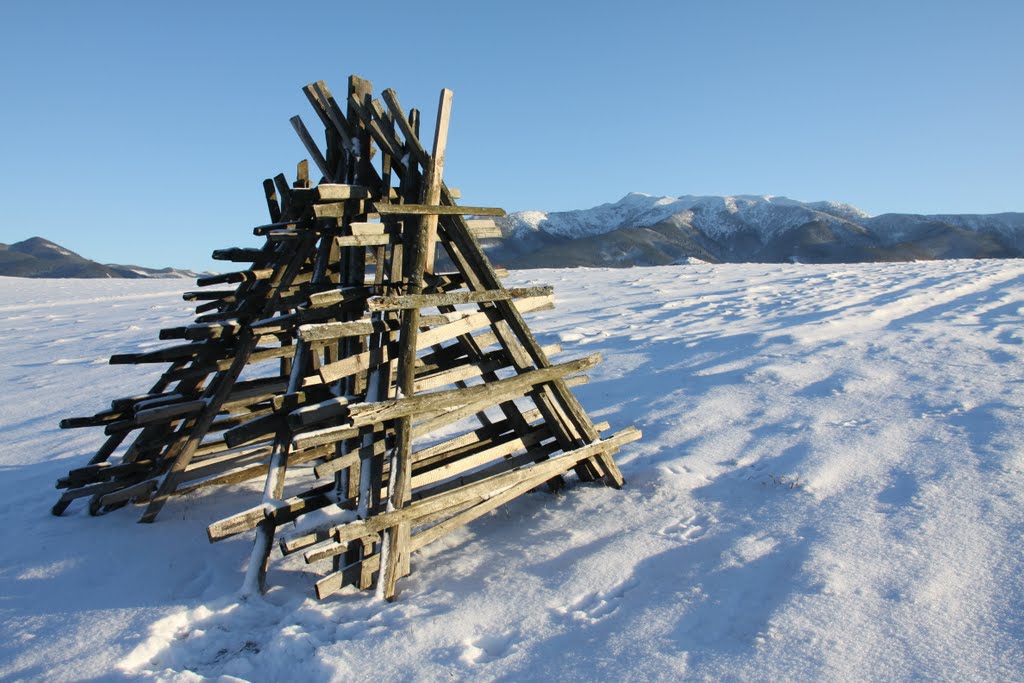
[{"x": 139, "y": 132}]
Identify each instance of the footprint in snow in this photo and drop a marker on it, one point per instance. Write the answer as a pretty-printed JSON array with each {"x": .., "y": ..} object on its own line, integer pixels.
[
  {"x": 900, "y": 493},
  {"x": 489, "y": 648},
  {"x": 582, "y": 336},
  {"x": 593, "y": 607},
  {"x": 685, "y": 530},
  {"x": 676, "y": 469}
]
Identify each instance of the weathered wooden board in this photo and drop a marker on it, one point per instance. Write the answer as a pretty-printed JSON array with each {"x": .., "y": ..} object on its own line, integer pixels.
[
  {"x": 435, "y": 210},
  {"x": 393, "y": 303}
]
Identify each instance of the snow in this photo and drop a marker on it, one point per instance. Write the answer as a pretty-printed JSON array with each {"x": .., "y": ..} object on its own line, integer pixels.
[
  {"x": 60, "y": 250},
  {"x": 830, "y": 487}
]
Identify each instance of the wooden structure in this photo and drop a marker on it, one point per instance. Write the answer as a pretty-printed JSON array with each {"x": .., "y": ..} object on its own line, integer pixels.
[{"x": 383, "y": 402}]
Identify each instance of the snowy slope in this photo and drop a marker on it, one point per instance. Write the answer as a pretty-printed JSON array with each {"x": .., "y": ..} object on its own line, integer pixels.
[{"x": 830, "y": 487}]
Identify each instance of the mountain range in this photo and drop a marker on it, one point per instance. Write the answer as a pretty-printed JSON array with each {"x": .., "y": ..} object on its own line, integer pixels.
[
  {"x": 646, "y": 230},
  {"x": 642, "y": 229},
  {"x": 38, "y": 257}
]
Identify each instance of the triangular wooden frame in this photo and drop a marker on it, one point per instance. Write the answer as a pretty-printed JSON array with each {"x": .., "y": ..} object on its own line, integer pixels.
[{"x": 380, "y": 358}]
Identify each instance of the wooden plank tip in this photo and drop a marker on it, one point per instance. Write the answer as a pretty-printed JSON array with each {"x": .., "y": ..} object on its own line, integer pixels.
[{"x": 329, "y": 585}]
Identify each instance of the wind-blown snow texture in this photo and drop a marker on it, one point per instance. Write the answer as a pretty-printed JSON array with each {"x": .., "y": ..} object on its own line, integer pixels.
[{"x": 830, "y": 487}]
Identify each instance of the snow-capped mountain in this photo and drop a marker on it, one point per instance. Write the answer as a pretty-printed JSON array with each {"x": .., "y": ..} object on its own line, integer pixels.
[{"x": 642, "y": 229}]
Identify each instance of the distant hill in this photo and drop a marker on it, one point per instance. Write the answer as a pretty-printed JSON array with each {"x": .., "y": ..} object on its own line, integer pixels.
[
  {"x": 642, "y": 229},
  {"x": 38, "y": 257}
]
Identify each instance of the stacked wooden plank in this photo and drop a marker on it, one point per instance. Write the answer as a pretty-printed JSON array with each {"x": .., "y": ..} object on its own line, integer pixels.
[{"x": 384, "y": 403}]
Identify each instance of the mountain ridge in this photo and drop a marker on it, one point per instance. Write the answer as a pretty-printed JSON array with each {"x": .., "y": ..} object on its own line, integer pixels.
[
  {"x": 38, "y": 257},
  {"x": 642, "y": 229}
]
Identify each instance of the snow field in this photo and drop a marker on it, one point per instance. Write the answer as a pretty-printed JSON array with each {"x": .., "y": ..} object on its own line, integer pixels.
[{"x": 829, "y": 487}]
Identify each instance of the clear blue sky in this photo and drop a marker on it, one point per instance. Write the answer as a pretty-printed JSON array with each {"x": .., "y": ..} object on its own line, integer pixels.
[{"x": 139, "y": 132}]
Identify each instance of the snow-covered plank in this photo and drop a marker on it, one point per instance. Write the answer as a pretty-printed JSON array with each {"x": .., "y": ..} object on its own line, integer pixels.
[{"x": 281, "y": 512}]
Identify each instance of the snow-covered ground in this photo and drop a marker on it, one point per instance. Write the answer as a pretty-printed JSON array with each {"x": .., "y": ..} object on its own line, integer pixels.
[{"x": 829, "y": 487}]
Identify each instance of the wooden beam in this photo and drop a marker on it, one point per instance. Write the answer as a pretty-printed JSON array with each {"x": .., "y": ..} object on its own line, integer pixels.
[
  {"x": 241, "y": 276},
  {"x": 367, "y": 240},
  {"x": 314, "y": 151},
  {"x": 272, "y": 205},
  {"x": 432, "y": 180},
  {"x": 484, "y": 228},
  {"x": 281, "y": 511},
  {"x": 344, "y": 208},
  {"x": 323, "y": 102},
  {"x": 329, "y": 193},
  {"x": 363, "y": 414},
  {"x": 240, "y": 254},
  {"x": 393, "y": 303},
  {"x": 434, "y": 210}
]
